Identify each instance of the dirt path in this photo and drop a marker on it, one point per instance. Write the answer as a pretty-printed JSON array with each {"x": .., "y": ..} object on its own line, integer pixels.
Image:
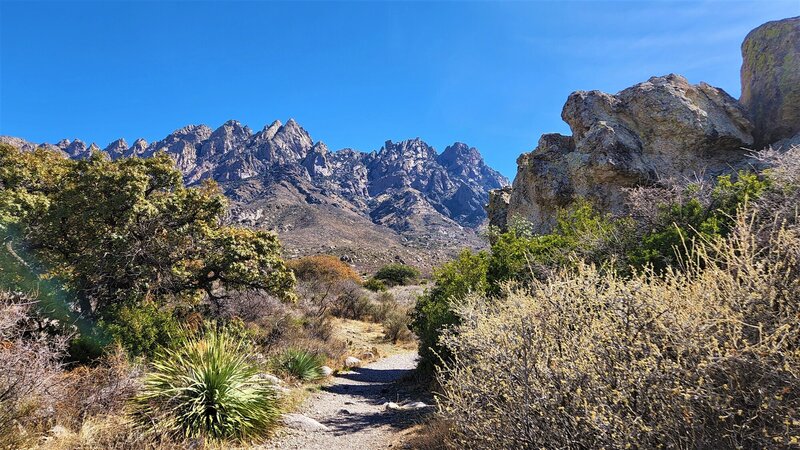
[{"x": 353, "y": 409}]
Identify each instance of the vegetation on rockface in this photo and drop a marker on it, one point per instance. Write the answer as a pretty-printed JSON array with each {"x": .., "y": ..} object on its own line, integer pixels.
[
  {"x": 694, "y": 346},
  {"x": 207, "y": 387},
  {"x": 698, "y": 213},
  {"x": 119, "y": 234}
]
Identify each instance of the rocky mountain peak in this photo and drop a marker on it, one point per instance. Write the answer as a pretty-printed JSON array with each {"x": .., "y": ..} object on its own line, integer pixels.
[
  {"x": 117, "y": 148},
  {"x": 409, "y": 150},
  {"x": 74, "y": 149},
  {"x": 139, "y": 148},
  {"x": 227, "y": 137}
]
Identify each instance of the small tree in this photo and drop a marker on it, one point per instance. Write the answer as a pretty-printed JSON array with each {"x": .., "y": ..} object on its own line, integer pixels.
[
  {"x": 127, "y": 231},
  {"x": 397, "y": 274}
]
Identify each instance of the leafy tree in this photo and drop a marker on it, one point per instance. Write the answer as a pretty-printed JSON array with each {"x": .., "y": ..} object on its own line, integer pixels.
[
  {"x": 127, "y": 231},
  {"x": 397, "y": 274}
]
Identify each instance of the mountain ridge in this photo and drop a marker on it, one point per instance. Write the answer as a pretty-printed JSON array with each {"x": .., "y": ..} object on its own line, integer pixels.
[{"x": 424, "y": 199}]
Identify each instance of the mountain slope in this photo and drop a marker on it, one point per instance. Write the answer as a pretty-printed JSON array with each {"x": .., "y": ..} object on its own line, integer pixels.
[{"x": 403, "y": 202}]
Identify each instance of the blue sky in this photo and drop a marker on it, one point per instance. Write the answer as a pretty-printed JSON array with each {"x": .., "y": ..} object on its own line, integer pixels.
[{"x": 493, "y": 75}]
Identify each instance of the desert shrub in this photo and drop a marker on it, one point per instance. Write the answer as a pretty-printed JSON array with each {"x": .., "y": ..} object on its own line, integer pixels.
[
  {"x": 702, "y": 358},
  {"x": 396, "y": 326},
  {"x": 433, "y": 311},
  {"x": 206, "y": 388},
  {"x": 29, "y": 372},
  {"x": 301, "y": 364},
  {"x": 397, "y": 274},
  {"x": 353, "y": 303},
  {"x": 699, "y": 211},
  {"x": 250, "y": 306},
  {"x": 383, "y": 306},
  {"x": 142, "y": 328},
  {"x": 92, "y": 391},
  {"x": 322, "y": 279},
  {"x": 274, "y": 333},
  {"x": 325, "y": 268},
  {"x": 375, "y": 285}
]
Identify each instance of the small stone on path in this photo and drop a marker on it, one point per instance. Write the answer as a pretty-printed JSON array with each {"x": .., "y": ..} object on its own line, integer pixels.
[{"x": 301, "y": 422}]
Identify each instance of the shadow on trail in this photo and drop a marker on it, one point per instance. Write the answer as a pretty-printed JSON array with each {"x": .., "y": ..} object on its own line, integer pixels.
[
  {"x": 374, "y": 385},
  {"x": 350, "y": 423}
]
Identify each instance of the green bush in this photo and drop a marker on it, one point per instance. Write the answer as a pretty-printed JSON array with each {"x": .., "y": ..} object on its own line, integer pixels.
[
  {"x": 142, "y": 329},
  {"x": 696, "y": 216},
  {"x": 206, "y": 388},
  {"x": 434, "y": 311},
  {"x": 581, "y": 232},
  {"x": 301, "y": 364},
  {"x": 397, "y": 274},
  {"x": 375, "y": 285}
]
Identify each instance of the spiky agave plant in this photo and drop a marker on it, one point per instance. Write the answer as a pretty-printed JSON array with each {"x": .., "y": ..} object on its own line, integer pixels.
[
  {"x": 208, "y": 388},
  {"x": 301, "y": 364}
]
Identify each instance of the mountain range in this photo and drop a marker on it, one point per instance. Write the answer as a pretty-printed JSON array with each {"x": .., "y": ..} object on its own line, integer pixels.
[{"x": 404, "y": 202}]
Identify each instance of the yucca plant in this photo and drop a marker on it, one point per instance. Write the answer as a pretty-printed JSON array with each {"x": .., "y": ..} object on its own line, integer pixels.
[
  {"x": 208, "y": 388},
  {"x": 301, "y": 364}
]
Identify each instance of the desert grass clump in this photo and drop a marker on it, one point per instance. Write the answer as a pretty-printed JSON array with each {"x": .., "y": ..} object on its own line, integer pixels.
[
  {"x": 706, "y": 357},
  {"x": 396, "y": 326},
  {"x": 301, "y": 364},
  {"x": 207, "y": 388}
]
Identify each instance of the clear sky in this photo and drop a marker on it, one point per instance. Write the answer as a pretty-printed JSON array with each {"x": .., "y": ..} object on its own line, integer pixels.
[{"x": 493, "y": 75}]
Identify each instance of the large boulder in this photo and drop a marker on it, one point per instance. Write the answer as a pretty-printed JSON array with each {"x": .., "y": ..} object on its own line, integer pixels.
[
  {"x": 662, "y": 128},
  {"x": 771, "y": 79}
]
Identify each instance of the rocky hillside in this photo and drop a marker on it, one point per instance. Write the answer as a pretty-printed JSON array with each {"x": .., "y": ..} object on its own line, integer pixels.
[
  {"x": 403, "y": 202},
  {"x": 663, "y": 128}
]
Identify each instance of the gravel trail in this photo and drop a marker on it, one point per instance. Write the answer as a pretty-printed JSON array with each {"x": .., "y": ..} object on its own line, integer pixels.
[{"x": 353, "y": 409}]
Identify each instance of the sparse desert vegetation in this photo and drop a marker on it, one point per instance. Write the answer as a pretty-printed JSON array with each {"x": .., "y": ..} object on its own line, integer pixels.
[{"x": 695, "y": 347}]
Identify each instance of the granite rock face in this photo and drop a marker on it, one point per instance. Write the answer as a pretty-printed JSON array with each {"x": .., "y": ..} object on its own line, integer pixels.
[
  {"x": 664, "y": 128},
  {"x": 771, "y": 79},
  {"x": 661, "y": 128}
]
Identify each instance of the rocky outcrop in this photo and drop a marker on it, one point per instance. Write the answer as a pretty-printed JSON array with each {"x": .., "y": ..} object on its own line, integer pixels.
[
  {"x": 771, "y": 80},
  {"x": 661, "y": 128},
  {"x": 664, "y": 128}
]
